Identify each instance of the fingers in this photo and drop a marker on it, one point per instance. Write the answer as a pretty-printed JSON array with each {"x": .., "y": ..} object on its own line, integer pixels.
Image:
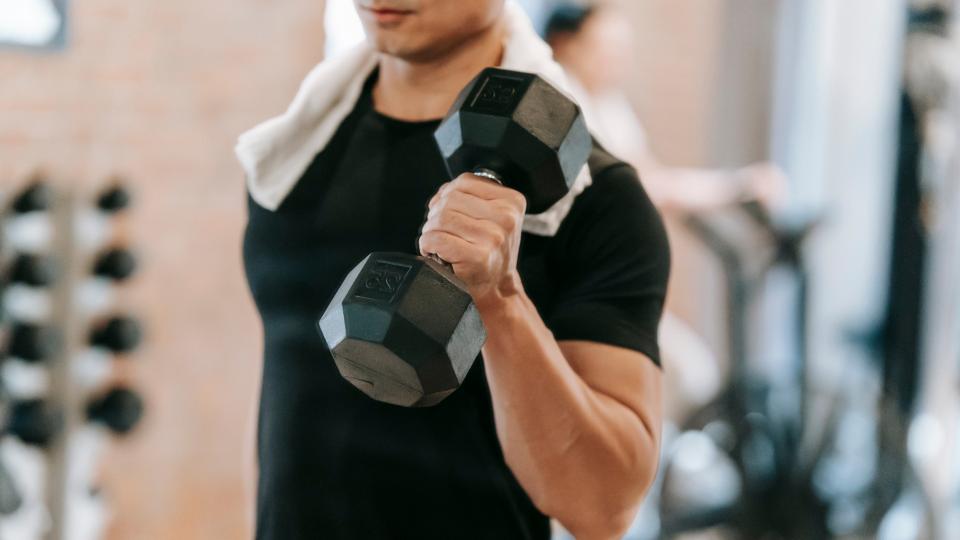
[
  {"x": 481, "y": 188},
  {"x": 449, "y": 247},
  {"x": 468, "y": 228},
  {"x": 475, "y": 225},
  {"x": 502, "y": 213}
]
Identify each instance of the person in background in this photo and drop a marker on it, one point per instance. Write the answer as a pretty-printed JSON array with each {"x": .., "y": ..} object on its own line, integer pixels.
[{"x": 593, "y": 43}]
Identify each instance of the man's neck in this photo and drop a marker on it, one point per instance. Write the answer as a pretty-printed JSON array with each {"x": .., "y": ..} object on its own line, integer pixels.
[{"x": 409, "y": 90}]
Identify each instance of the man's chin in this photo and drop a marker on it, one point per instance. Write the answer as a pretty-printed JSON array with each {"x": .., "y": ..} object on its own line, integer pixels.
[{"x": 403, "y": 51}]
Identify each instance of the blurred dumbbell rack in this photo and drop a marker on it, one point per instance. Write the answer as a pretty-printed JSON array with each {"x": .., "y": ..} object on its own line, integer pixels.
[{"x": 60, "y": 500}]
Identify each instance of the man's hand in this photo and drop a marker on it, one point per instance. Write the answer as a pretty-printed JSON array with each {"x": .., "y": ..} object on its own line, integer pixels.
[{"x": 475, "y": 225}]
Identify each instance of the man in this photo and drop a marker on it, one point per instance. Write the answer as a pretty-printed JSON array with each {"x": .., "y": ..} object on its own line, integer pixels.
[{"x": 561, "y": 416}]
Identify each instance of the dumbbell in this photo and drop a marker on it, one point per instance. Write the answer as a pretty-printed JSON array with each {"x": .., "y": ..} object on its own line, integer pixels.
[
  {"x": 35, "y": 423},
  {"x": 32, "y": 270},
  {"x": 118, "y": 334},
  {"x": 116, "y": 264},
  {"x": 33, "y": 342},
  {"x": 32, "y": 421},
  {"x": 36, "y": 197},
  {"x": 114, "y": 199},
  {"x": 403, "y": 328},
  {"x": 119, "y": 409}
]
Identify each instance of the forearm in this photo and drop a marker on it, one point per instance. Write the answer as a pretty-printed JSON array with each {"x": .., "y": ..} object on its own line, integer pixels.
[{"x": 584, "y": 457}]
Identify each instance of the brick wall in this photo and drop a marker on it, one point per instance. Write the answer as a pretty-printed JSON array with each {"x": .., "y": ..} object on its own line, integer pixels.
[{"x": 158, "y": 91}]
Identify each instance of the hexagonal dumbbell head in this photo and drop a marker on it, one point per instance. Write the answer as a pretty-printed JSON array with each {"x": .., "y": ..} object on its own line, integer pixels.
[
  {"x": 519, "y": 126},
  {"x": 389, "y": 337}
]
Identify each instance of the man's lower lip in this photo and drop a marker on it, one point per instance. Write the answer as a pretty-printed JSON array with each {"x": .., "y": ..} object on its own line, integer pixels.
[{"x": 388, "y": 15}]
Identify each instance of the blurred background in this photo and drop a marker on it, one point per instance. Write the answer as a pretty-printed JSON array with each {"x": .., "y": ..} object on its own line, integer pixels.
[{"x": 805, "y": 154}]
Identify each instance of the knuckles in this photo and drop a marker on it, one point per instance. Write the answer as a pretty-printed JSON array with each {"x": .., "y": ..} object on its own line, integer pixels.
[
  {"x": 512, "y": 219},
  {"x": 497, "y": 238},
  {"x": 509, "y": 208},
  {"x": 433, "y": 242},
  {"x": 473, "y": 223},
  {"x": 519, "y": 201}
]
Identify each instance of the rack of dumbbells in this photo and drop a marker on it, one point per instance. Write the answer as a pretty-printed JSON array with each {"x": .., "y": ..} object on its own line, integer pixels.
[{"x": 61, "y": 397}]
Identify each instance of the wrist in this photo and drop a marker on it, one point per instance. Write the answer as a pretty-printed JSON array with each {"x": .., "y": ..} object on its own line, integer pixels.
[{"x": 504, "y": 300}]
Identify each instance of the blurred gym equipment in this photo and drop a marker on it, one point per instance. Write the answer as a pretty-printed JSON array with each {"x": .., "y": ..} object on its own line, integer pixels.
[
  {"x": 58, "y": 399},
  {"x": 120, "y": 409},
  {"x": 117, "y": 334},
  {"x": 737, "y": 460},
  {"x": 117, "y": 264},
  {"x": 32, "y": 342},
  {"x": 773, "y": 456},
  {"x": 919, "y": 351}
]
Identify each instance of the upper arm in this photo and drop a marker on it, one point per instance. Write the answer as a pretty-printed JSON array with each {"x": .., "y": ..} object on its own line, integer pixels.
[
  {"x": 616, "y": 263},
  {"x": 625, "y": 376}
]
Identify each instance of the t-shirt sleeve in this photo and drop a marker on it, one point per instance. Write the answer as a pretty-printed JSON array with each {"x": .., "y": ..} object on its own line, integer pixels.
[{"x": 614, "y": 262}]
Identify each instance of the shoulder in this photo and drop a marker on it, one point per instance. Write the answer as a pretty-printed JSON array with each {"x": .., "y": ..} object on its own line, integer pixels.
[
  {"x": 611, "y": 260},
  {"x": 614, "y": 203}
]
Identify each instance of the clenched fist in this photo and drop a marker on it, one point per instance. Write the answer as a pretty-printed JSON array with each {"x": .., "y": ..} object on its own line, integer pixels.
[{"x": 475, "y": 225}]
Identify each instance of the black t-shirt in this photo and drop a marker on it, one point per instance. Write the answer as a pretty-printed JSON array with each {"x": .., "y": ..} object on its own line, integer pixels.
[{"x": 336, "y": 464}]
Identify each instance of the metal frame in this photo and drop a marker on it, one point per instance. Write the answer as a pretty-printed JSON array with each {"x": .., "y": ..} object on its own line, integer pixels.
[{"x": 63, "y": 390}]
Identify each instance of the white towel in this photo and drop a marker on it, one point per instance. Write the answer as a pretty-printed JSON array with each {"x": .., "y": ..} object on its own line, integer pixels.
[{"x": 275, "y": 154}]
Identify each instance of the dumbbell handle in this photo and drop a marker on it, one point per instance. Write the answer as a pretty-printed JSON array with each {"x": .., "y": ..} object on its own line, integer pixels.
[{"x": 482, "y": 172}]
